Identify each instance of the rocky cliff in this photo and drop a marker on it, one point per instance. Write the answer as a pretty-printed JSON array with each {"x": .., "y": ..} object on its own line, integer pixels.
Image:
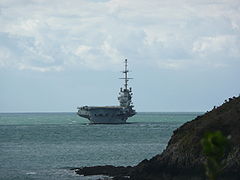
[{"x": 183, "y": 157}]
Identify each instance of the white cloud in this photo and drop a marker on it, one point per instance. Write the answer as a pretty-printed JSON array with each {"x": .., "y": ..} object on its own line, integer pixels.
[
  {"x": 213, "y": 44},
  {"x": 40, "y": 69},
  {"x": 173, "y": 64},
  {"x": 53, "y": 35},
  {"x": 224, "y": 45},
  {"x": 82, "y": 49},
  {"x": 111, "y": 53},
  {"x": 4, "y": 56},
  {"x": 101, "y": 57}
]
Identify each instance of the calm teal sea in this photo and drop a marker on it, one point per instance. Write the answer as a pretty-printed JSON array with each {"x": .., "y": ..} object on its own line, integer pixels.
[{"x": 43, "y": 146}]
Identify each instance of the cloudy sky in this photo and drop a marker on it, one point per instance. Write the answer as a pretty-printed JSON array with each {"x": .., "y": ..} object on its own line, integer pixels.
[{"x": 57, "y": 55}]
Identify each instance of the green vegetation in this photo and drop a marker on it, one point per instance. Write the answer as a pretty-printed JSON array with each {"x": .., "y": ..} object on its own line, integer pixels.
[{"x": 215, "y": 146}]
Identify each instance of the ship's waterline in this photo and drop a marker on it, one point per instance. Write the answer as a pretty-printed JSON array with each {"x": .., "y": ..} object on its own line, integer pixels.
[
  {"x": 112, "y": 114},
  {"x": 104, "y": 115}
]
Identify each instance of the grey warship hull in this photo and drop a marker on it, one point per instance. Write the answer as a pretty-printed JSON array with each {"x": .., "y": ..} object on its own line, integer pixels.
[
  {"x": 105, "y": 114},
  {"x": 111, "y": 114}
]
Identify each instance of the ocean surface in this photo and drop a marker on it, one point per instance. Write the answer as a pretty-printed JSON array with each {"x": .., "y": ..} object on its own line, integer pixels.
[{"x": 44, "y": 146}]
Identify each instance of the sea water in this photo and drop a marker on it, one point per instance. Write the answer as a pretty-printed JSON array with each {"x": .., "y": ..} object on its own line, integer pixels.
[{"x": 43, "y": 146}]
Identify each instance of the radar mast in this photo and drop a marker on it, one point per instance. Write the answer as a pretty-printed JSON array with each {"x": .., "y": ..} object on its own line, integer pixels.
[
  {"x": 126, "y": 78},
  {"x": 125, "y": 97}
]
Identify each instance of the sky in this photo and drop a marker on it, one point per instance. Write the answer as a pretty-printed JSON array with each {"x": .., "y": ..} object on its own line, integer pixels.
[{"x": 184, "y": 55}]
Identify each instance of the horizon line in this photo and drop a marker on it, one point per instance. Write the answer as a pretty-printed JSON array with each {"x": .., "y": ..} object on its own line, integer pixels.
[{"x": 25, "y": 112}]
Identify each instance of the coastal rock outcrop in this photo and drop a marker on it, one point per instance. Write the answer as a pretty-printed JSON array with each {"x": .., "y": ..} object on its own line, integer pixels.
[{"x": 183, "y": 157}]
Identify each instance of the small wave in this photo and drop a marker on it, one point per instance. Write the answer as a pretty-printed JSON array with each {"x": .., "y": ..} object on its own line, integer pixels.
[
  {"x": 31, "y": 173},
  {"x": 96, "y": 177}
]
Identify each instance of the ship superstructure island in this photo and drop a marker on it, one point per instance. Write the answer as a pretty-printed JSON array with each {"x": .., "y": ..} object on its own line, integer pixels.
[{"x": 112, "y": 114}]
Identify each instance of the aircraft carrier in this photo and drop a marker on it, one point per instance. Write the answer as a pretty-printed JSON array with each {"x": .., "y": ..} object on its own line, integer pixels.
[{"x": 112, "y": 114}]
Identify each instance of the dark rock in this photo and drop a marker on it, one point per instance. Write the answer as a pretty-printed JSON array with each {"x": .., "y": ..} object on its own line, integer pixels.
[
  {"x": 108, "y": 170},
  {"x": 183, "y": 157}
]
